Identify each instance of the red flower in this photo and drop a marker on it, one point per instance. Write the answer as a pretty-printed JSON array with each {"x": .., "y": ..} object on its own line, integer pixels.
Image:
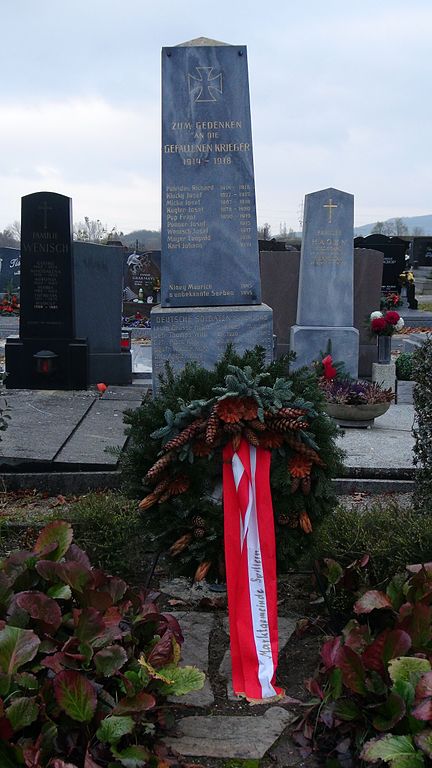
[
  {"x": 379, "y": 324},
  {"x": 328, "y": 360},
  {"x": 330, "y": 372},
  {"x": 391, "y": 317}
]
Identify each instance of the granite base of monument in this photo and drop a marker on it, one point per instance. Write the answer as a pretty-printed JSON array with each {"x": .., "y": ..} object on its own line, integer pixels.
[
  {"x": 201, "y": 334},
  {"x": 28, "y": 366},
  {"x": 309, "y": 341},
  {"x": 110, "y": 368}
]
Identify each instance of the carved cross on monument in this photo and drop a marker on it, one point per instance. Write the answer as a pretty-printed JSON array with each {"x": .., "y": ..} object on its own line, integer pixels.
[
  {"x": 330, "y": 206},
  {"x": 205, "y": 86},
  {"x": 45, "y": 208}
]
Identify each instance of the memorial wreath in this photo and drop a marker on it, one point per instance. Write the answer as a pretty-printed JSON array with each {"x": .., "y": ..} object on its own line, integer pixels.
[{"x": 178, "y": 443}]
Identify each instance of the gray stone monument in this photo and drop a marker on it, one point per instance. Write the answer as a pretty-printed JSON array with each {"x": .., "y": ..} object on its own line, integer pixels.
[
  {"x": 325, "y": 308},
  {"x": 210, "y": 281}
]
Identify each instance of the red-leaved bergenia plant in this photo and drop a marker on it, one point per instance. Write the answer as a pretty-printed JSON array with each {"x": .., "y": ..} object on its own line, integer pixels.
[
  {"x": 85, "y": 662},
  {"x": 372, "y": 696}
]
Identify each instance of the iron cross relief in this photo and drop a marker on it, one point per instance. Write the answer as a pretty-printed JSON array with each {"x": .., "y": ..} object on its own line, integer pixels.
[
  {"x": 45, "y": 208},
  {"x": 206, "y": 86},
  {"x": 330, "y": 207}
]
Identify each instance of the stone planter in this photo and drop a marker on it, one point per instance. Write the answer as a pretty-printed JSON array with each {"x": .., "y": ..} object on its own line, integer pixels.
[{"x": 358, "y": 416}]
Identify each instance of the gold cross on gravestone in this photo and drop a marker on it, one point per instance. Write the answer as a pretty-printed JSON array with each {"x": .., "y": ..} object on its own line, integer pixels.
[
  {"x": 330, "y": 206},
  {"x": 45, "y": 208}
]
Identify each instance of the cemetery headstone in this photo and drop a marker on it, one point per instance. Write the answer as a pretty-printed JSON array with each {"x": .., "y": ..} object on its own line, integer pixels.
[
  {"x": 142, "y": 275},
  {"x": 47, "y": 355},
  {"x": 10, "y": 269},
  {"x": 279, "y": 281},
  {"x": 394, "y": 249},
  {"x": 98, "y": 274},
  {"x": 326, "y": 281},
  {"x": 209, "y": 235},
  {"x": 368, "y": 268}
]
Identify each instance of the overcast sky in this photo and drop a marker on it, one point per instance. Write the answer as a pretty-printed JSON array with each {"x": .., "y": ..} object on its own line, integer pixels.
[{"x": 340, "y": 97}]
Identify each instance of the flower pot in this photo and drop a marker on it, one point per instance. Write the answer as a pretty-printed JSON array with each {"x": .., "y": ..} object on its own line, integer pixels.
[
  {"x": 384, "y": 349},
  {"x": 360, "y": 416}
]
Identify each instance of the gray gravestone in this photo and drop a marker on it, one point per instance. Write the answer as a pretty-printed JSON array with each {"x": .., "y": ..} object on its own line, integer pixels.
[
  {"x": 209, "y": 240},
  {"x": 368, "y": 269},
  {"x": 279, "y": 281},
  {"x": 325, "y": 308},
  {"x": 98, "y": 271}
]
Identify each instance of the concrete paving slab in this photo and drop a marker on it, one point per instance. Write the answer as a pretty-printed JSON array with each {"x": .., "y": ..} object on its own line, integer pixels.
[
  {"x": 399, "y": 417},
  {"x": 241, "y": 737},
  {"x": 40, "y": 423},
  {"x": 133, "y": 393},
  {"x": 386, "y": 448},
  {"x": 181, "y": 588},
  {"x": 196, "y": 628},
  {"x": 102, "y": 428},
  {"x": 286, "y": 627}
]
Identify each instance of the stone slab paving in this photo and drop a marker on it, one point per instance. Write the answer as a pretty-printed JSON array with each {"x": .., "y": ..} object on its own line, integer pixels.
[
  {"x": 386, "y": 446},
  {"x": 182, "y": 588},
  {"x": 40, "y": 423},
  {"x": 286, "y": 627},
  {"x": 102, "y": 428},
  {"x": 133, "y": 394},
  {"x": 196, "y": 628},
  {"x": 245, "y": 737}
]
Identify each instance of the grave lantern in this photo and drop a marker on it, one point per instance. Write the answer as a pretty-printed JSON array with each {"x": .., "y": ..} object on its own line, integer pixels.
[
  {"x": 45, "y": 362},
  {"x": 126, "y": 341}
]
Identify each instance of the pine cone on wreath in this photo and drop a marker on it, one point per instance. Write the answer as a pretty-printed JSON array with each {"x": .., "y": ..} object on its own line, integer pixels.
[
  {"x": 184, "y": 437},
  {"x": 202, "y": 570},
  {"x": 251, "y": 437},
  {"x": 212, "y": 428},
  {"x": 306, "y": 485},
  {"x": 199, "y": 533},
  {"x": 258, "y": 425},
  {"x": 180, "y": 544},
  {"x": 236, "y": 440},
  {"x": 305, "y": 522},
  {"x": 159, "y": 466},
  {"x": 233, "y": 429},
  {"x": 198, "y": 521},
  {"x": 295, "y": 484},
  {"x": 300, "y": 447}
]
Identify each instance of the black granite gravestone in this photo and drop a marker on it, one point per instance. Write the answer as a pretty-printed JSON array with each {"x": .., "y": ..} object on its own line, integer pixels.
[
  {"x": 394, "y": 249},
  {"x": 47, "y": 355}
]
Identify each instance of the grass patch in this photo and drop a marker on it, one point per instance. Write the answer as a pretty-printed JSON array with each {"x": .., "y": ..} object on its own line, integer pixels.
[
  {"x": 425, "y": 306},
  {"x": 106, "y": 524},
  {"x": 393, "y": 537}
]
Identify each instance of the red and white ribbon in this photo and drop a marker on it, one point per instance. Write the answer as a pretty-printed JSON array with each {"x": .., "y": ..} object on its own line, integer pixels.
[{"x": 250, "y": 556}]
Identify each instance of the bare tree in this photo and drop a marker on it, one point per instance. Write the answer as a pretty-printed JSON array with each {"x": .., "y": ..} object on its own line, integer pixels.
[
  {"x": 11, "y": 235},
  {"x": 264, "y": 232}
]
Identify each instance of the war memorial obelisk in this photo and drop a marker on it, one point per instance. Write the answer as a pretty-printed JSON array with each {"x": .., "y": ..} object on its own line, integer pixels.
[{"x": 210, "y": 280}]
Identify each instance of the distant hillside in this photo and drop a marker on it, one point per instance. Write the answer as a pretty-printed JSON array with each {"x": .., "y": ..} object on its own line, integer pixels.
[
  {"x": 412, "y": 222},
  {"x": 148, "y": 239}
]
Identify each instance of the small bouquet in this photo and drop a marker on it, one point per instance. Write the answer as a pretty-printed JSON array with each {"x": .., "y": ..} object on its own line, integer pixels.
[
  {"x": 390, "y": 301},
  {"x": 385, "y": 323}
]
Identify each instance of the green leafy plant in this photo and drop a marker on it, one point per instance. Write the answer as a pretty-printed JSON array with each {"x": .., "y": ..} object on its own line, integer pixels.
[
  {"x": 85, "y": 661},
  {"x": 404, "y": 366},
  {"x": 422, "y": 362},
  {"x": 373, "y": 692},
  {"x": 391, "y": 534},
  {"x": 175, "y": 454}
]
